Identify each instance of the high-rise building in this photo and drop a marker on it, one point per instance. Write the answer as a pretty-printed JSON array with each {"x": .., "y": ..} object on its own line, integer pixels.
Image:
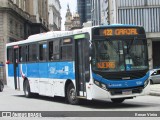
[{"x": 84, "y": 10}]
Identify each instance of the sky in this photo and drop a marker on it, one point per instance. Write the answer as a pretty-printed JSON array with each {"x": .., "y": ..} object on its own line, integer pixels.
[{"x": 72, "y": 6}]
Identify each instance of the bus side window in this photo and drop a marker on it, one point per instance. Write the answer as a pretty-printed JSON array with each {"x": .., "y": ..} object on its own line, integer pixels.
[
  {"x": 56, "y": 50},
  {"x": 43, "y": 51},
  {"x": 51, "y": 51},
  {"x": 23, "y": 54},
  {"x": 66, "y": 49},
  {"x": 10, "y": 55},
  {"x": 32, "y": 52}
]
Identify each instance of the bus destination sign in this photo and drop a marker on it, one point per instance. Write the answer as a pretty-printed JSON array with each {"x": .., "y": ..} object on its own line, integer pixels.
[{"x": 118, "y": 31}]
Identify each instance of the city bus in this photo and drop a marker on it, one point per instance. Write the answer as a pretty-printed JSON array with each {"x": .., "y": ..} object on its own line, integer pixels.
[{"x": 93, "y": 63}]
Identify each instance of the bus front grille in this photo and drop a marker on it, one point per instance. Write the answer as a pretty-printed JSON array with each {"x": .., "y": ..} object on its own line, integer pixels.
[{"x": 122, "y": 91}]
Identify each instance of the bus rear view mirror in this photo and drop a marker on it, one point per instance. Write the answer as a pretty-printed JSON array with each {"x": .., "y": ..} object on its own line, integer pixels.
[{"x": 90, "y": 51}]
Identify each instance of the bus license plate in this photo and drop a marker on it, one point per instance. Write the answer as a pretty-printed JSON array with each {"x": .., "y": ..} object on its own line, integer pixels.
[{"x": 126, "y": 92}]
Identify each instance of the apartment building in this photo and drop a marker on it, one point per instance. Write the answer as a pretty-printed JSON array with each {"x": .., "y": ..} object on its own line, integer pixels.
[{"x": 84, "y": 10}]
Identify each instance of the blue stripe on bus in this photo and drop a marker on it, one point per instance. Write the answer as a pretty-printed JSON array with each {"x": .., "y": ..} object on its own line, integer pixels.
[
  {"x": 121, "y": 83},
  {"x": 55, "y": 70}
]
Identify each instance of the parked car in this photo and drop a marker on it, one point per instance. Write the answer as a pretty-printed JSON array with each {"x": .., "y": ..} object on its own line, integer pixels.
[
  {"x": 155, "y": 76},
  {"x": 1, "y": 86}
]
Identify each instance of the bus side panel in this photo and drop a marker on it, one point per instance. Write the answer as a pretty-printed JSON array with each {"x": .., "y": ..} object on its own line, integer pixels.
[
  {"x": 10, "y": 74},
  {"x": 43, "y": 79},
  {"x": 10, "y": 77},
  {"x": 33, "y": 70},
  {"x": 59, "y": 72},
  {"x": 32, "y": 73}
]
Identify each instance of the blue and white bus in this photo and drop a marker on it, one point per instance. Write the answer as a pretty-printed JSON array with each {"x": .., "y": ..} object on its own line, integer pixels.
[{"x": 95, "y": 63}]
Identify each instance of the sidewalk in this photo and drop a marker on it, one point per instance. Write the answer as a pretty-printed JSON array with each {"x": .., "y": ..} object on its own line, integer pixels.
[{"x": 155, "y": 89}]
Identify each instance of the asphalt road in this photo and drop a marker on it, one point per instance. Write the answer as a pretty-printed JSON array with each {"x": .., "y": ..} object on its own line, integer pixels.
[{"x": 11, "y": 100}]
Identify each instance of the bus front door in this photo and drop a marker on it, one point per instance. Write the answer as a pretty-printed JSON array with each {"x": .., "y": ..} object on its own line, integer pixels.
[
  {"x": 81, "y": 65},
  {"x": 15, "y": 67}
]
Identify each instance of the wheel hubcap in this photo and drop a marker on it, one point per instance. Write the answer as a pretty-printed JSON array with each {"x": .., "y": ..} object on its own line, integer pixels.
[{"x": 72, "y": 94}]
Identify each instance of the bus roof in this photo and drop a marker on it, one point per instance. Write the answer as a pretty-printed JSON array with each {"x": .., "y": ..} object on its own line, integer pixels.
[
  {"x": 50, "y": 35},
  {"x": 120, "y": 25},
  {"x": 56, "y": 34}
]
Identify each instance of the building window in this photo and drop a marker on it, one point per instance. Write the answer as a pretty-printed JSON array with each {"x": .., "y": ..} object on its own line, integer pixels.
[
  {"x": 11, "y": 26},
  {"x": 24, "y": 5},
  {"x": 21, "y": 31},
  {"x": 16, "y": 28}
]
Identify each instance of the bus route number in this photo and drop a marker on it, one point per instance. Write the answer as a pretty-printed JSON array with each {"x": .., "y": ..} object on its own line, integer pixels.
[{"x": 108, "y": 32}]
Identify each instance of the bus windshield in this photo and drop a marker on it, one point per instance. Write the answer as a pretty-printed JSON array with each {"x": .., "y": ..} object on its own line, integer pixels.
[{"x": 120, "y": 55}]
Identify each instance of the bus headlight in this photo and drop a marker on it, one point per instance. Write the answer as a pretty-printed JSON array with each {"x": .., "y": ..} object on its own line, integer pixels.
[
  {"x": 101, "y": 85},
  {"x": 97, "y": 83},
  {"x": 146, "y": 82}
]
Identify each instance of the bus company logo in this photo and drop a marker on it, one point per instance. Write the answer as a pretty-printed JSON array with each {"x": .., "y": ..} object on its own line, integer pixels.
[
  {"x": 139, "y": 82},
  {"x": 126, "y": 84}
]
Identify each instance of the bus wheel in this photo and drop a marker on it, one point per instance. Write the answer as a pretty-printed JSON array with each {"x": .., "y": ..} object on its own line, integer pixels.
[
  {"x": 27, "y": 91},
  {"x": 151, "y": 82},
  {"x": 118, "y": 100},
  {"x": 1, "y": 88},
  {"x": 71, "y": 95}
]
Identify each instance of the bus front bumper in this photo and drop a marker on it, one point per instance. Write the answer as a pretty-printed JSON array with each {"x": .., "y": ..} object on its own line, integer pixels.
[{"x": 95, "y": 92}]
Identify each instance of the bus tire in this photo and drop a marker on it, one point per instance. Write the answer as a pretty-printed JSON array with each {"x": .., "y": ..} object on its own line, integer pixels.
[
  {"x": 71, "y": 95},
  {"x": 151, "y": 82},
  {"x": 1, "y": 87},
  {"x": 117, "y": 100},
  {"x": 27, "y": 91}
]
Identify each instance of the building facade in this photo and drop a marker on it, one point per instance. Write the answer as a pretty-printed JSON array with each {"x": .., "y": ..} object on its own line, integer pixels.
[
  {"x": 96, "y": 12},
  {"x": 103, "y": 12},
  {"x": 72, "y": 21},
  {"x": 20, "y": 19},
  {"x": 145, "y": 13},
  {"x": 68, "y": 20},
  {"x": 54, "y": 15},
  {"x": 76, "y": 24},
  {"x": 84, "y": 10}
]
